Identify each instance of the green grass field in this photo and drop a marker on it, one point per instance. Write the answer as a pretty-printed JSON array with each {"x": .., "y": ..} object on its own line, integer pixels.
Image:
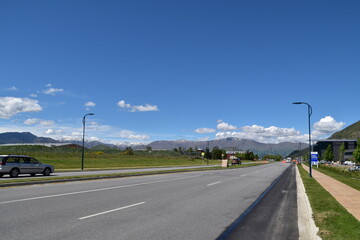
[
  {"x": 333, "y": 220},
  {"x": 70, "y": 159}
]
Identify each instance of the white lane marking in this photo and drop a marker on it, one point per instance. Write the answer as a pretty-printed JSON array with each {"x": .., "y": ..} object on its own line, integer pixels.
[
  {"x": 95, "y": 190},
  {"x": 213, "y": 183},
  {"x": 243, "y": 175},
  {"x": 110, "y": 211}
]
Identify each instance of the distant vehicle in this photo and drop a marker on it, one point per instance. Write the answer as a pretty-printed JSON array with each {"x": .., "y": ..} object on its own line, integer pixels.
[
  {"x": 22, "y": 164},
  {"x": 356, "y": 168},
  {"x": 235, "y": 161},
  {"x": 350, "y": 163}
]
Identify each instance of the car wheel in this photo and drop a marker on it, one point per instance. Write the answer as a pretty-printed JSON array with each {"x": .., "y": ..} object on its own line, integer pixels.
[
  {"x": 14, "y": 172},
  {"x": 47, "y": 172}
]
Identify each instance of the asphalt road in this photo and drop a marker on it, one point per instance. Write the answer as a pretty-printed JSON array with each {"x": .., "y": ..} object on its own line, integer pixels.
[
  {"x": 99, "y": 172},
  {"x": 194, "y": 205},
  {"x": 275, "y": 216}
]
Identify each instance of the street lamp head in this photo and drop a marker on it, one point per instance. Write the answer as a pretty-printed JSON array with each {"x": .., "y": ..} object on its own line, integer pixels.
[
  {"x": 297, "y": 102},
  {"x": 90, "y": 114}
]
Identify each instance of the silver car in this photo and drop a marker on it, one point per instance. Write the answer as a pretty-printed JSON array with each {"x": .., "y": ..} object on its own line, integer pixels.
[{"x": 21, "y": 164}]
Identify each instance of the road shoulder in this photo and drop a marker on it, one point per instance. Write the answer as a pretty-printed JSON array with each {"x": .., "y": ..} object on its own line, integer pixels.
[{"x": 306, "y": 223}]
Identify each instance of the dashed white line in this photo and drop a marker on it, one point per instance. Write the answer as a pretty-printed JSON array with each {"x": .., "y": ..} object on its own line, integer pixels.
[
  {"x": 95, "y": 190},
  {"x": 110, "y": 211},
  {"x": 213, "y": 183}
]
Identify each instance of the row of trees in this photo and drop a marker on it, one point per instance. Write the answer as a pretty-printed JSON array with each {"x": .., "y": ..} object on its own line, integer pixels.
[
  {"x": 356, "y": 152},
  {"x": 216, "y": 153},
  {"x": 248, "y": 155}
]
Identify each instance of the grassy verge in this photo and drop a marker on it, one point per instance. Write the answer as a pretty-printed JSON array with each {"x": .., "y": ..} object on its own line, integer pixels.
[
  {"x": 352, "y": 179},
  {"x": 334, "y": 222}
]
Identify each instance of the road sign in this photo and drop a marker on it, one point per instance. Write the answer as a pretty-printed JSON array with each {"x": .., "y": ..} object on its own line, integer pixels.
[{"x": 314, "y": 158}]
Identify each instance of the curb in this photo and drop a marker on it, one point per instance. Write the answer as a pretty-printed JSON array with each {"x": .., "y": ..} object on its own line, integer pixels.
[{"x": 306, "y": 224}]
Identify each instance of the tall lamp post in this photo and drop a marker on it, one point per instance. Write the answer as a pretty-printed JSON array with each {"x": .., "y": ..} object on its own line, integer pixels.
[
  {"x": 310, "y": 149},
  {"x": 83, "y": 141}
]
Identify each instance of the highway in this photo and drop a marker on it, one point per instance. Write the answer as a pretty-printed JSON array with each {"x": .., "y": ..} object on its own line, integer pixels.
[
  {"x": 193, "y": 205},
  {"x": 100, "y": 172}
]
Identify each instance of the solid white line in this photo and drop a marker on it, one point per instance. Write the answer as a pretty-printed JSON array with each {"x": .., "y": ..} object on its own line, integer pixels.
[
  {"x": 95, "y": 190},
  {"x": 110, "y": 211},
  {"x": 213, "y": 183}
]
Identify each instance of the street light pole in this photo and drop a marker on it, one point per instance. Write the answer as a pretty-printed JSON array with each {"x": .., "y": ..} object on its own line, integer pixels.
[
  {"x": 83, "y": 141},
  {"x": 310, "y": 149}
]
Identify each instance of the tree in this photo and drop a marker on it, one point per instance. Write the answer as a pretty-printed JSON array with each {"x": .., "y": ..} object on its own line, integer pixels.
[
  {"x": 329, "y": 155},
  {"x": 129, "y": 151},
  {"x": 217, "y": 153},
  {"x": 356, "y": 152},
  {"x": 208, "y": 154},
  {"x": 341, "y": 152}
]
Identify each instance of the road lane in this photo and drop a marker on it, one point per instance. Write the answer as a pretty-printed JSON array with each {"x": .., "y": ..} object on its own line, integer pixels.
[
  {"x": 103, "y": 172},
  {"x": 176, "y": 206}
]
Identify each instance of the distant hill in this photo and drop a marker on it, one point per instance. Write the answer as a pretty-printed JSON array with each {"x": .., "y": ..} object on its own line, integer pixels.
[
  {"x": 230, "y": 144},
  {"x": 261, "y": 149},
  {"x": 23, "y": 137},
  {"x": 350, "y": 132}
]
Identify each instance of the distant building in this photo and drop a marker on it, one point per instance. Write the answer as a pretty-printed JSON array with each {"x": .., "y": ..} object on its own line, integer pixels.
[{"x": 350, "y": 146}]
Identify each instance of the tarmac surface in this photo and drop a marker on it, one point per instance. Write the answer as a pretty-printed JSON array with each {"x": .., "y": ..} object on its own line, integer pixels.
[
  {"x": 347, "y": 196},
  {"x": 275, "y": 217}
]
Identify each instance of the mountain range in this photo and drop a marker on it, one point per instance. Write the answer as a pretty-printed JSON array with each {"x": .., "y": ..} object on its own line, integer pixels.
[
  {"x": 227, "y": 143},
  {"x": 284, "y": 149}
]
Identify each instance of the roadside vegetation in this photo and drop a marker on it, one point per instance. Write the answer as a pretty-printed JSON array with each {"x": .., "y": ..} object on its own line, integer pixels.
[
  {"x": 69, "y": 158},
  {"x": 102, "y": 157},
  {"x": 333, "y": 220},
  {"x": 342, "y": 174}
]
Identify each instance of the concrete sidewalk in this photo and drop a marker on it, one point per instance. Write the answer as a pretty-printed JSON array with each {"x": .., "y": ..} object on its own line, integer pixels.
[{"x": 347, "y": 196}]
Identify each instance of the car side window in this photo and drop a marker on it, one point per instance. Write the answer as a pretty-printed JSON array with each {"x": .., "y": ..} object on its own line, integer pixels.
[
  {"x": 12, "y": 160},
  {"x": 25, "y": 160},
  {"x": 33, "y": 161}
]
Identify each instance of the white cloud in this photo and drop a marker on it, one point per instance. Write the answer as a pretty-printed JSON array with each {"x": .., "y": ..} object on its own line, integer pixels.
[
  {"x": 131, "y": 135},
  {"x": 139, "y": 108},
  {"x": 273, "y": 134},
  {"x": 52, "y": 132},
  {"x": 75, "y": 136},
  {"x": 33, "y": 121},
  {"x": 90, "y": 104},
  {"x": 253, "y": 129},
  {"x": 204, "y": 130},
  {"x": 326, "y": 126},
  {"x": 226, "y": 127},
  {"x": 10, "y": 106},
  {"x": 261, "y": 134},
  {"x": 13, "y": 88},
  {"x": 122, "y": 104},
  {"x": 53, "y": 91}
]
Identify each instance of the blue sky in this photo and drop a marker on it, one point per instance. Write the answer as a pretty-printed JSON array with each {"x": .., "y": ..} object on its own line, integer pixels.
[{"x": 168, "y": 70}]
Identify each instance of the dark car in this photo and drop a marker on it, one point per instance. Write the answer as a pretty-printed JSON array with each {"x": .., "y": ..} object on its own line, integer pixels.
[{"x": 235, "y": 161}]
